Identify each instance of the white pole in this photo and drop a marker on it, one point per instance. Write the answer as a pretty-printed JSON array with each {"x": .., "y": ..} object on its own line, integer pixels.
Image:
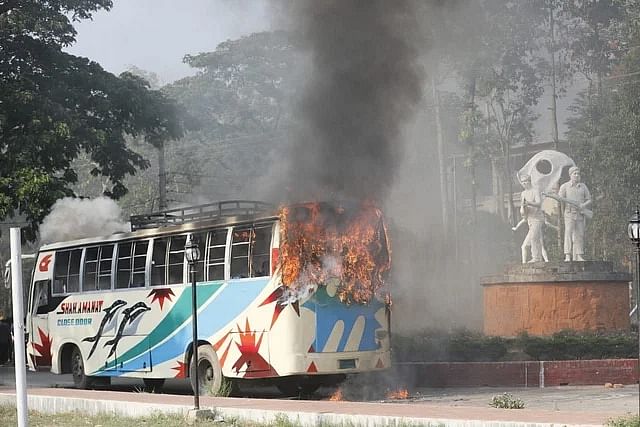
[{"x": 18, "y": 328}]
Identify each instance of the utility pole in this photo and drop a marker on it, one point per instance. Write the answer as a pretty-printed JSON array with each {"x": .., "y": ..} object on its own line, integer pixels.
[
  {"x": 440, "y": 139},
  {"x": 554, "y": 94},
  {"x": 554, "y": 109}
]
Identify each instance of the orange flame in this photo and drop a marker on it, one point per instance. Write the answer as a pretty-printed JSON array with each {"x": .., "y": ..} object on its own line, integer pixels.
[
  {"x": 322, "y": 242},
  {"x": 336, "y": 396},
  {"x": 399, "y": 394}
]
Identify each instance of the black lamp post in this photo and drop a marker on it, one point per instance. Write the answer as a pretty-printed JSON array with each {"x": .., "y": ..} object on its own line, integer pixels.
[
  {"x": 634, "y": 234},
  {"x": 192, "y": 253}
]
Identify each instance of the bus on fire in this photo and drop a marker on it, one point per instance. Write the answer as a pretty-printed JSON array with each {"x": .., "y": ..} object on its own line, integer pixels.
[{"x": 296, "y": 295}]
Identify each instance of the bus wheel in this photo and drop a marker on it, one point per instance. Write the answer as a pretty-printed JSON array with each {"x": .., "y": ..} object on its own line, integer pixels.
[
  {"x": 209, "y": 372},
  {"x": 153, "y": 385},
  {"x": 80, "y": 379}
]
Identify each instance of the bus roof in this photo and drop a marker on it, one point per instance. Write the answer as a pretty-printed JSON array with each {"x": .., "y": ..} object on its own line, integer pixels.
[{"x": 171, "y": 221}]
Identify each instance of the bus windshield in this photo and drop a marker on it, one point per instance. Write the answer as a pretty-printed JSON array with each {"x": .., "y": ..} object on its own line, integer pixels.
[{"x": 323, "y": 241}]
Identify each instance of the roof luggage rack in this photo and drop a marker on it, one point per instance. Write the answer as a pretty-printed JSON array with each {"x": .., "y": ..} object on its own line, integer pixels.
[{"x": 205, "y": 212}]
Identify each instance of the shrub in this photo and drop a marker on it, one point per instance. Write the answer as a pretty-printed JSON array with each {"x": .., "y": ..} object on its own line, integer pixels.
[
  {"x": 506, "y": 401},
  {"x": 468, "y": 346},
  {"x": 458, "y": 346},
  {"x": 569, "y": 345},
  {"x": 630, "y": 421}
]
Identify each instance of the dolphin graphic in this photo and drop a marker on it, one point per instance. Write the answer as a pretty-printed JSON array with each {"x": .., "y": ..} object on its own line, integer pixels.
[
  {"x": 110, "y": 312},
  {"x": 128, "y": 316}
]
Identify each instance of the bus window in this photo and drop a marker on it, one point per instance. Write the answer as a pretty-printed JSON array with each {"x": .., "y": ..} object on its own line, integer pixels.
[
  {"x": 215, "y": 259},
  {"x": 104, "y": 267},
  {"x": 66, "y": 271},
  {"x": 240, "y": 253},
  {"x": 40, "y": 304},
  {"x": 139, "y": 264},
  {"x": 97, "y": 268},
  {"x": 73, "y": 285},
  {"x": 90, "y": 269},
  {"x": 60, "y": 272},
  {"x": 201, "y": 240},
  {"x": 159, "y": 262},
  {"x": 123, "y": 268},
  {"x": 131, "y": 264},
  {"x": 260, "y": 246},
  {"x": 176, "y": 259}
]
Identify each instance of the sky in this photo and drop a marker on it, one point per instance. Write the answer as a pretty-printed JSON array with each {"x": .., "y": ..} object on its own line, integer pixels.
[{"x": 154, "y": 35}]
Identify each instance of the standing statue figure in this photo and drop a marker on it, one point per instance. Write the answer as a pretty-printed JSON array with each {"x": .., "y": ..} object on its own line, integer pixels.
[
  {"x": 576, "y": 200},
  {"x": 531, "y": 212}
]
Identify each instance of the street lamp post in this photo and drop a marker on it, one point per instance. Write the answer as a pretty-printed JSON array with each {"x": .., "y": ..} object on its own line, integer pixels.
[
  {"x": 192, "y": 253},
  {"x": 634, "y": 234}
]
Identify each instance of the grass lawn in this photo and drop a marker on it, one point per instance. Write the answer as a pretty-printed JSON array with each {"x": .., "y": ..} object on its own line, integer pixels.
[{"x": 8, "y": 417}]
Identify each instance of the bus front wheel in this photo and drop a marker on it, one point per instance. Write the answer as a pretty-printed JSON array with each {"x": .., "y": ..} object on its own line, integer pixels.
[
  {"x": 80, "y": 379},
  {"x": 209, "y": 372}
]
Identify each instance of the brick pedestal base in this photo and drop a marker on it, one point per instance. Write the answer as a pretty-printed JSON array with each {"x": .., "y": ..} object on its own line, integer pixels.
[{"x": 544, "y": 298}]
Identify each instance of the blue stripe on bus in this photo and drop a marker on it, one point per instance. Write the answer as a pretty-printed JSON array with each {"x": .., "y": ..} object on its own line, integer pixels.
[
  {"x": 330, "y": 310},
  {"x": 225, "y": 306}
]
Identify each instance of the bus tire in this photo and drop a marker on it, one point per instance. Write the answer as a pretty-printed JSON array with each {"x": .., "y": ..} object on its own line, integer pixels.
[
  {"x": 209, "y": 372},
  {"x": 80, "y": 378},
  {"x": 153, "y": 385}
]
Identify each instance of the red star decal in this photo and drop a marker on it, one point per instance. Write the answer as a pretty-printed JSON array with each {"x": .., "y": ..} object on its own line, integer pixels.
[
  {"x": 160, "y": 295},
  {"x": 44, "y": 349},
  {"x": 275, "y": 296},
  {"x": 249, "y": 354},
  {"x": 218, "y": 345},
  {"x": 182, "y": 370},
  {"x": 224, "y": 355}
]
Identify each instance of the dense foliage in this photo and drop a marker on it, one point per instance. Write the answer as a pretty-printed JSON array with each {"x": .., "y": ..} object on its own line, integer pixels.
[
  {"x": 55, "y": 106},
  {"x": 467, "y": 346},
  {"x": 242, "y": 98}
]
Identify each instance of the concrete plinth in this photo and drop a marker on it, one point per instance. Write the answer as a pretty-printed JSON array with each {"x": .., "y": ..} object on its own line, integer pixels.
[{"x": 545, "y": 298}]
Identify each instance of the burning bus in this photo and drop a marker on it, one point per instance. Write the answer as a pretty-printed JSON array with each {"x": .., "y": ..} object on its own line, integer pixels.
[{"x": 295, "y": 295}]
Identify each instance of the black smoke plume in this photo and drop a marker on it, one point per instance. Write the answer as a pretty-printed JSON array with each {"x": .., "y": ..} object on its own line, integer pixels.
[{"x": 364, "y": 82}]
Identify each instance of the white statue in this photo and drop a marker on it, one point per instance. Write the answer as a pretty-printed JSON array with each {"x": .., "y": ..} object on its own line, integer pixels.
[
  {"x": 545, "y": 169},
  {"x": 531, "y": 212},
  {"x": 576, "y": 200}
]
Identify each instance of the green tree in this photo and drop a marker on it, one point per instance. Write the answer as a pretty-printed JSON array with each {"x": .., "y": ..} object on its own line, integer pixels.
[
  {"x": 241, "y": 97},
  {"x": 500, "y": 64},
  {"x": 55, "y": 106},
  {"x": 604, "y": 136}
]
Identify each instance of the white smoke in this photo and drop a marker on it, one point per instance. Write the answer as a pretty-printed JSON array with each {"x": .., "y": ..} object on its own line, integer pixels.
[
  {"x": 306, "y": 282},
  {"x": 72, "y": 218}
]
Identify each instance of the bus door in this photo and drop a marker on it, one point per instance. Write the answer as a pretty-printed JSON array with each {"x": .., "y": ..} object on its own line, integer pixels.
[{"x": 39, "y": 342}]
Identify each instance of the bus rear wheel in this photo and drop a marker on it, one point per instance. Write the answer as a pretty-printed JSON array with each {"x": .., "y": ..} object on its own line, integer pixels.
[
  {"x": 80, "y": 378},
  {"x": 209, "y": 372}
]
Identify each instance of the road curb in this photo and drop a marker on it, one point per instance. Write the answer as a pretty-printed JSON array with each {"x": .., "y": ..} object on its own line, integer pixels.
[{"x": 57, "y": 404}]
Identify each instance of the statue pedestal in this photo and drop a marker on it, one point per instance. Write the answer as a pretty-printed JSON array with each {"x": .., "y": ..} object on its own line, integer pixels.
[{"x": 545, "y": 298}]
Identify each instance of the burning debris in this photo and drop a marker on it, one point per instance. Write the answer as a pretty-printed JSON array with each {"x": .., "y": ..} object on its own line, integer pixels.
[
  {"x": 336, "y": 396},
  {"x": 345, "y": 249},
  {"x": 364, "y": 392},
  {"x": 400, "y": 394}
]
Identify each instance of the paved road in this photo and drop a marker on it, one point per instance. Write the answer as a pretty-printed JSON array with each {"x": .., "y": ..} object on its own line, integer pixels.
[{"x": 567, "y": 398}]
